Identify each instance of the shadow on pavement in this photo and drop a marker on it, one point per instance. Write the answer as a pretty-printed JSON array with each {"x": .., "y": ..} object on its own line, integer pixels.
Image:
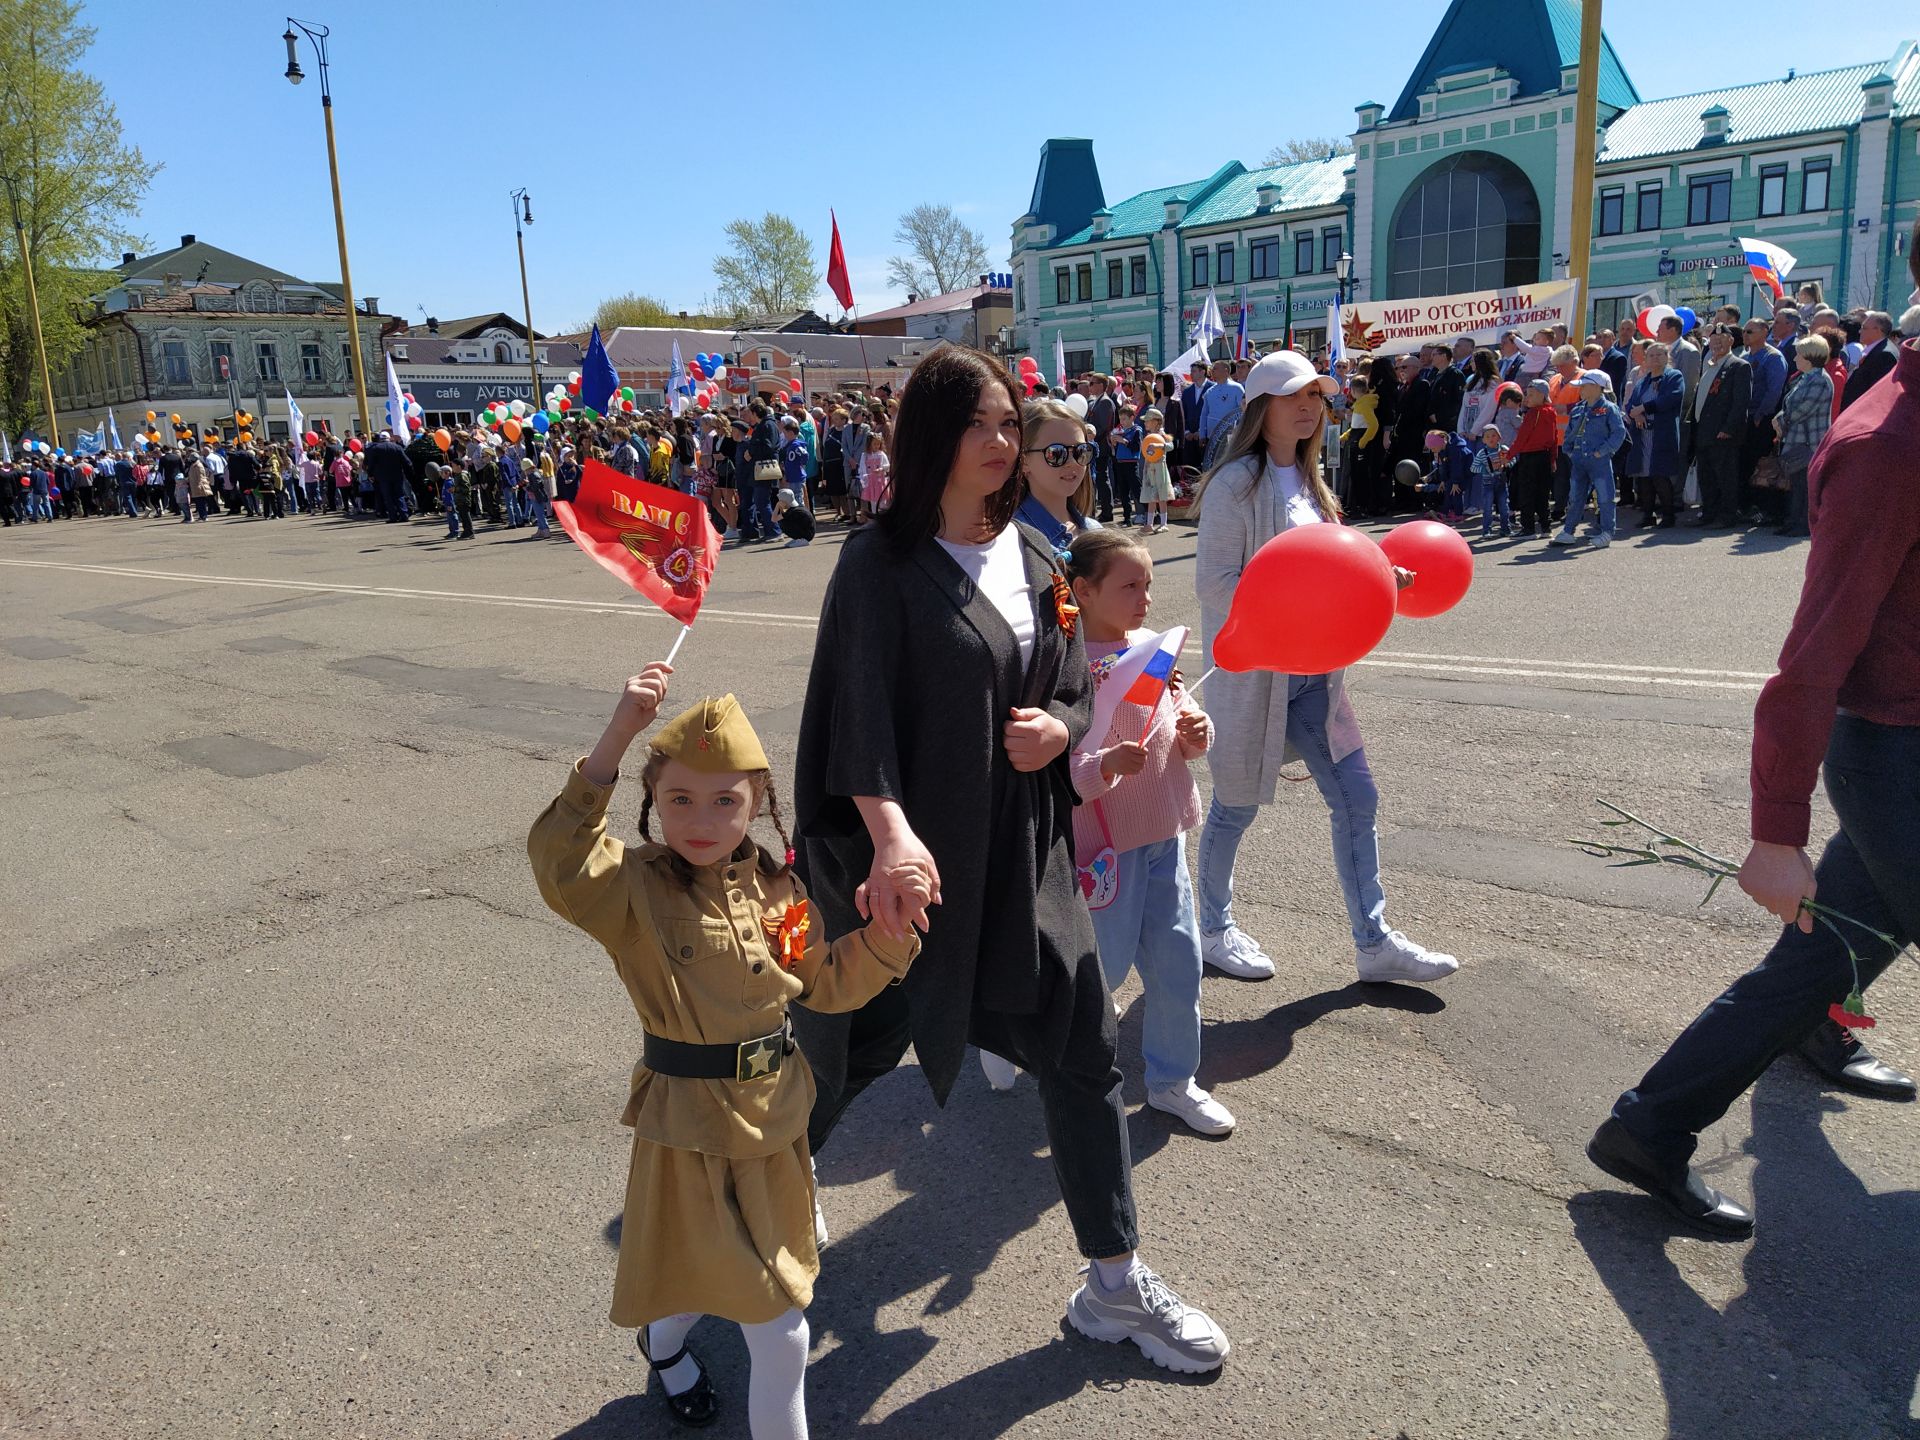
[
  {"x": 1236, "y": 1049},
  {"x": 1824, "y": 1339}
]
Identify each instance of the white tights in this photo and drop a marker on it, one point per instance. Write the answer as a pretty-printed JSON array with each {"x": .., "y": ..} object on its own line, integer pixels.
[{"x": 776, "y": 1384}]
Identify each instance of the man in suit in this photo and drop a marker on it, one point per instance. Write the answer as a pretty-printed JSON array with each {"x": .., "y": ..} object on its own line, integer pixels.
[
  {"x": 386, "y": 466},
  {"x": 1195, "y": 391},
  {"x": 1614, "y": 360},
  {"x": 1876, "y": 360},
  {"x": 1102, "y": 415},
  {"x": 1720, "y": 425},
  {"x": 1416, "y": 399},
  {"x": 1449, "y": 384},
  {"x": 1513, "y": 356}
]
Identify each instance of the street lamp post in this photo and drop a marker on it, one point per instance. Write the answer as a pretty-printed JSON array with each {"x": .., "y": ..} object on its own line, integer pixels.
[
  {"x": 317, "y": 36},
  {"x": 800, "y": 359},
  {"x": 33, "y": 306},
  {"x": 1343, "y": 276},
  {"x": 523, "y": 211}
]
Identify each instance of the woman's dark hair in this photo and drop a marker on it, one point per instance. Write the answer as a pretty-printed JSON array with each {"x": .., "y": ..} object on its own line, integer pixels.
[
  {"x": 1093, "y": 551},
  {"x": 1386, "y": 384},
  {"x": 935, "y": 409},
  {"x": 1485, "y": 366}
]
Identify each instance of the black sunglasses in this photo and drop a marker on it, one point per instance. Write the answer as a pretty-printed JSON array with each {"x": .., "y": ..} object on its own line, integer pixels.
[{"x": 1057, "y": 454}]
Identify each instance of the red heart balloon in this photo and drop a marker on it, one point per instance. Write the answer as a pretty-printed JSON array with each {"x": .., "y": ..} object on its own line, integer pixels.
[
  {"x": 1441, "y": 561},
  {"x": 1312, "y": 600}
]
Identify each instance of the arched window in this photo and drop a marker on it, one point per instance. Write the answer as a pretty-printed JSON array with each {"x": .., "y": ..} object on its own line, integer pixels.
[
  {"x": 1471, "y": 222},
  {"x": 502, "y": 353}
]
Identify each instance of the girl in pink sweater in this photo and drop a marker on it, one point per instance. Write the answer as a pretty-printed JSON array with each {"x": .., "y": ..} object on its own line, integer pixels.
[{"x": 1140, "y": 802}]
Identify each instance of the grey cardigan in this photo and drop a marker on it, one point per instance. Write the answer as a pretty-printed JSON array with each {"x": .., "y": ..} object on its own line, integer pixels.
[{"x": 1240, "y": 512}]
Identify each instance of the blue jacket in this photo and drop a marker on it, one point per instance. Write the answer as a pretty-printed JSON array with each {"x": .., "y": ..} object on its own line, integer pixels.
[
  {"x": 1127, "y": 447},
  {"x": 1657, "y": 442},
  {"x": 1453, "y": 465},
  {"x": 1769, "y": 382},
  {"x": 1594, "y": 431}
]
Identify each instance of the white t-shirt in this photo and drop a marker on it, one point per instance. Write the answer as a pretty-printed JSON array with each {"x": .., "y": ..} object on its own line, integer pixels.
[
  {"x": 1296, "y": 500},
  {"x": 998, "y": 570}
]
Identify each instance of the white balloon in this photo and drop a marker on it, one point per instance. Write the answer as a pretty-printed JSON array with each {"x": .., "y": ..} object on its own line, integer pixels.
[
  {"x": 1078, "y": 404},
  {"x": 517, "y": 409},
  {"x": 718, "y": 374}
]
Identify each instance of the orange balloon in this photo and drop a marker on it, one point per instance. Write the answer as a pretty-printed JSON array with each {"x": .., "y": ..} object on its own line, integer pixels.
[
  {"x": 510, "y": 428},
  {"x": 443, "y": 440}
]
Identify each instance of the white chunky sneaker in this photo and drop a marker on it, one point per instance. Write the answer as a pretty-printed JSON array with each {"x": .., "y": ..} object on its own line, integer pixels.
[
  {"x": 1563, "y": 537},
  {"x": 1234, "y": 952},
  {"x": 1145, "y": 1310},
  {"x": 1000, "y": 1072},
  {"x": 1196, "y": 1107},
  {"x": 1398, "y": 958}
]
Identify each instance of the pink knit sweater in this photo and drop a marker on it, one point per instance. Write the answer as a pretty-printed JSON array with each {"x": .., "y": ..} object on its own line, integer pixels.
[{"x": 1158, "y": 803}]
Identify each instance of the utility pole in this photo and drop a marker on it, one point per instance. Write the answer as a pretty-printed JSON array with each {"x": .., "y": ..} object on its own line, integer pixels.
[
  {"x": 523, "y": 210},
  {"x": 33, "y": 306},
  {"x": 1586, "y": 142}
]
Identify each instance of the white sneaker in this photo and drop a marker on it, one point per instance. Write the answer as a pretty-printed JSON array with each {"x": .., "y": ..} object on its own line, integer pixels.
[
  {"x": 820, "y": 1234},
  {"x": 1189, "y": 1103},
  {"x": 1563, "y": 537},
  {"x": 1234, "y": 952},
  {"x": 1000, "y": 1072},
  {"x": 1398, "y": 958},
  {"x": 1601, "y": 540},
  {"x": 1145, "y": 1310}
]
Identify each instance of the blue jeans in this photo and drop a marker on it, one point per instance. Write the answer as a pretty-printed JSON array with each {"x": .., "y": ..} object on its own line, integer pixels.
[
  {"x": 127, "y": 505},
  {"x": 1347, "y": 787},
  {"x": 510, "y": 504},
  {"x": 1591, "y": 474},
  {"x": 1871, "y": 871},
  {"x": 1151, "y": 926},
  {"x": 39, "y": 506},
  {"x": 537, "y": 508},
  {"x": 760, "y": 514},
  {"x": 1493, "y": 496}
]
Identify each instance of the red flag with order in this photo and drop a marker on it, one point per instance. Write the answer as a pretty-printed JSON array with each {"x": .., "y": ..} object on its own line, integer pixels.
[
  {"x": 659, "y": 541},
  {"x": 837, "y": 280}
]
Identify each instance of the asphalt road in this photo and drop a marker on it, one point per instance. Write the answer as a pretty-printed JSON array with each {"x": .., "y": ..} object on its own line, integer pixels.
[{"x": 310, "y": 1107}]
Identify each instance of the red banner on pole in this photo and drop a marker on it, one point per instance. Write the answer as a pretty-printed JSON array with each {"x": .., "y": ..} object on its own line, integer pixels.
[{"x": 659, "y": 541}]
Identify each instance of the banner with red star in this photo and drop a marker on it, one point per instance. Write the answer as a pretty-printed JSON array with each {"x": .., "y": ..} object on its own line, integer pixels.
[{"x": 659, "y": 541}]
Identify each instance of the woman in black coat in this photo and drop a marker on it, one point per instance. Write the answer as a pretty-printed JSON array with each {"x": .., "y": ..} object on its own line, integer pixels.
[{"x": 948, "y": 686}]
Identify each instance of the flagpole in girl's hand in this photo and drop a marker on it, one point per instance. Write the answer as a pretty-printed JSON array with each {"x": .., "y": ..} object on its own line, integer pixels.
[
  {"x": 678, "y": 641},
  {"x": 1174, "y": 709}
]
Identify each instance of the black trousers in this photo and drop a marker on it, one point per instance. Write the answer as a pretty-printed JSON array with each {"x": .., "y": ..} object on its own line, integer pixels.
[
  {"x": 1871, "y": 871},
  {"x": 1532, "y": 490},
  {"x": 1719, "y": 462},
  {"x": 1126, "y": 487},
  {"x": 1079, "y": 1097},
  {"x": 1103, "y": 493}
]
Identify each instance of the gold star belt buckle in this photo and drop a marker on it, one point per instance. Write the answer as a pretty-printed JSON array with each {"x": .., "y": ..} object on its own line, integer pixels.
[{"x": 760, "y": 1059}]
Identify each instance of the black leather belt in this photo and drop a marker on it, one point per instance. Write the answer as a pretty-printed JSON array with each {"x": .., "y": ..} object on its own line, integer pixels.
[{"x": 756, "y": 1059}]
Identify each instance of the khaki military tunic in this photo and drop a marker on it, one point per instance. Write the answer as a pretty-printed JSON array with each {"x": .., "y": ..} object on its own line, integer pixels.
[{"x": 719, "y": 1207}]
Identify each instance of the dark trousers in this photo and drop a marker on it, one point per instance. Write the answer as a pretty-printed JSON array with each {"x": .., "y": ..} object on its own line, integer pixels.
[
  {"x": 1079, "y": 1098},
  {"x": 1532, "y": 489},
  {"x": 1656, "y": 493},
  {"x": 1871, "y": 871},
  {"x": 274, "y": 502},
  {"x": 1126, "y": 487},
  {"x": 1103, "y": 495},
  {"x": 1719, "y": 462}
]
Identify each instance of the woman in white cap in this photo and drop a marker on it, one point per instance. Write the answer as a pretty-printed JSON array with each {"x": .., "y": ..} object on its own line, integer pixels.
[{"x": 1269, "y": 481}]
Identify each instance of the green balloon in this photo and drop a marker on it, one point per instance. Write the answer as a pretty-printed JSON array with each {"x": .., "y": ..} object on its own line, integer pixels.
[{"x": 626, "y": 392}]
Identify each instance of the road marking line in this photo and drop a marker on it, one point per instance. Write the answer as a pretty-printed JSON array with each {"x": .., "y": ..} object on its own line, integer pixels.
[
  {"x": 768, "y": 619},
  {"x": 1493, "y": 666}
]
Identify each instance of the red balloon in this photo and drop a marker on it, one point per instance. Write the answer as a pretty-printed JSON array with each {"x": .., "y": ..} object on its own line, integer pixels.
[
  {"x": 354, "y": 445},
  {"x": 565, "y": 404},
  {"x": 310, "y": 438},
  {"x": 1441, "y": 561},
  {"x": 573, "y": 387},
  {"x": 1312, "y": 600}
]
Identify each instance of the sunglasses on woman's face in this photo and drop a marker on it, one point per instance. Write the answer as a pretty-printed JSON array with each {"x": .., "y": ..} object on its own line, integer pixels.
[{"x": 1057, "y": 455}]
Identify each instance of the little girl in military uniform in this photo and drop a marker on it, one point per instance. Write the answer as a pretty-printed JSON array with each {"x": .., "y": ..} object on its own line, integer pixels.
[{"x": 710, "y": 934}]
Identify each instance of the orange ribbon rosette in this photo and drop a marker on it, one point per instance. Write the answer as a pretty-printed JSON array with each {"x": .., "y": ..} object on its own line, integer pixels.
[
  {"x": 1064, "y": 609},
  {"x": 788, "y": 934}
]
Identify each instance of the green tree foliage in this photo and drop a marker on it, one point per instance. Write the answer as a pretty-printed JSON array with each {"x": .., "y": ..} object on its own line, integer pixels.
[
  {"x": 78, "y": 187},
  {"x": 768, "y": 268},
  {"x": 634, "y": 308}
]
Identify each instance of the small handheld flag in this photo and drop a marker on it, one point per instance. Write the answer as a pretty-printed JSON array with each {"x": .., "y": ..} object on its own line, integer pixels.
[
  {"x": 659, "y": 541},
  {"x": 1769, "y": 263},
  {"x": 1138, "y": 675}
]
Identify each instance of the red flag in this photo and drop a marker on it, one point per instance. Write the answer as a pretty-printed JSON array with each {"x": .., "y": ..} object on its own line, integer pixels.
[
  {"x": 659, "y": 541},
  {"x": 837, "y": 280}
]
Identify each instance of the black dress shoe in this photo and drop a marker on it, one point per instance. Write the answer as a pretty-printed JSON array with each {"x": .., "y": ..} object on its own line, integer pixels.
[
  {"x": 697, "y": 1406},
  {"x": 1838, "y": 1054},
  {"x": 1615, "y": 1151}
]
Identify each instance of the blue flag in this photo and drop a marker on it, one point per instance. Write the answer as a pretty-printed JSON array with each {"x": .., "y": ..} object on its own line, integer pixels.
[{"x": 599, "y": 381}]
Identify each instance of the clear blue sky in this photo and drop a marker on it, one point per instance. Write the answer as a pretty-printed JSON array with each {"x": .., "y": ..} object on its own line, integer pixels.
[{"x": 640, "y": 139}]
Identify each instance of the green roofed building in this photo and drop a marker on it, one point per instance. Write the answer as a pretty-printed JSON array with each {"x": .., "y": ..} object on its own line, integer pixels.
[{"x": 1464, "y": 183}]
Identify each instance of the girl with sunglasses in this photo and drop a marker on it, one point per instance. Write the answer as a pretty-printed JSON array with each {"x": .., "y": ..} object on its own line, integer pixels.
[{"x": 1057, "y": 459}]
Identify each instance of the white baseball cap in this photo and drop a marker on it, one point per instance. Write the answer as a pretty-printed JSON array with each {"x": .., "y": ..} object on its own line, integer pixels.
[{"x": 1284, "y": 372}]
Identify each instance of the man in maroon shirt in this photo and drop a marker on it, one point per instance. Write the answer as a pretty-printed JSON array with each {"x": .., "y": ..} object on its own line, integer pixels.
[{"x": 1848, "y": 690}]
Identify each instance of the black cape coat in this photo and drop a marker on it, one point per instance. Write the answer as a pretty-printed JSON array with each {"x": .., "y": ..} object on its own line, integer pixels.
[{"x": 914, "y": 673}]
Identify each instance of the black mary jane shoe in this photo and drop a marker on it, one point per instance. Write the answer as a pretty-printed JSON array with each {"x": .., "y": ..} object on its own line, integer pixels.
[{"x": 696, "y": 1407}]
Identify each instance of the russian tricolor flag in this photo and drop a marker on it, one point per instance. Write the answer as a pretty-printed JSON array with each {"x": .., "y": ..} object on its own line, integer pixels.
[
  {"x": 1139, "y": 675},
  {"x": 1770, "y": 265},
  {"x": 1240, "y": 335}
]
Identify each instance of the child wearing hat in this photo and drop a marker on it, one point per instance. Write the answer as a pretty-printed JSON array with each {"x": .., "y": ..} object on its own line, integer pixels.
[
  {"x": 712, "y": 936},
  {"x": 1595, "y": 429}
]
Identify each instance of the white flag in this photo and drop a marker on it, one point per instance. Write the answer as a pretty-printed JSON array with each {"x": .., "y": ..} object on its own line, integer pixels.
[
  {"x": 1336, "y": 341},
  {"x": 1209, "y": 327},
  {"x": 676, "y": 377},
  {"x": 1060, "y": 358},
  {"x": 113, "y": 431},
  {"x": 396, "y": 404},
  {"x": 296, "y": 425}
]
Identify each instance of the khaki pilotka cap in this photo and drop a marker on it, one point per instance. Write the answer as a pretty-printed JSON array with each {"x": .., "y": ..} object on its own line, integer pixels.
[{"x": 713, "y": 737}]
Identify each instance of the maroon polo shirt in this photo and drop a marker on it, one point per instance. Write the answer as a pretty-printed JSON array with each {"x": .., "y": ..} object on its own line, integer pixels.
[{"x": 1855, "y": 642}]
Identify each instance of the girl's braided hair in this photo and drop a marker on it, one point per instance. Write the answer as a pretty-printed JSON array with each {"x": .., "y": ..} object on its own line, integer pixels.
[{"x": 763, "y": 790}]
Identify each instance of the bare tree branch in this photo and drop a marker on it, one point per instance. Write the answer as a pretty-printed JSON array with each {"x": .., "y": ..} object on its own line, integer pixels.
[{"x": 944, "y": 254}]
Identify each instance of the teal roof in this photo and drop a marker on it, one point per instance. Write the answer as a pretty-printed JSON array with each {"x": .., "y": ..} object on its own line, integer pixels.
[
  {"x": 1822, "y": 100},
  {"x": 1303, "y": 186},
  {"x": 1532, "y": 40},
  {"x": 1146, "y": 213}
]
